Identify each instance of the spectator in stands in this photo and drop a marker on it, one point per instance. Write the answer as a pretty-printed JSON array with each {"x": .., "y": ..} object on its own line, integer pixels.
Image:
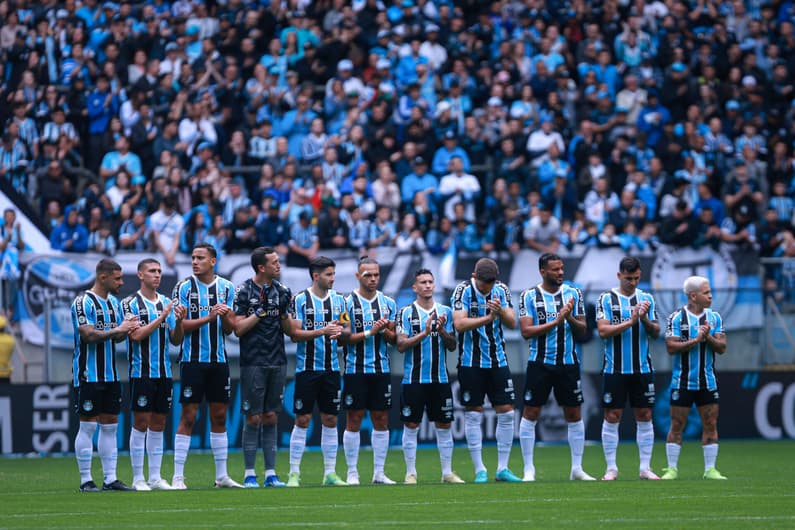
[
  {"x": 680, "y": 228},
  {"x": 303, "y": 244},
  {"x": 447, "y": 152},
  {"x": 332, "y": 229},
  {"x": 739, "y": 230},
  {"x": 409, "y": 238},
  {"x": 539, "y": 140},
  {"x": 382, "y": 230},
  {"x": 71, "y": 235},
  {"x": 165, "y": 227},
  {"x": 133, "y": 233},
  {"x": 459, "y": 187},
  {"x": 242, "y": 231},
  {"x": 542, "y": 232},
  {"x": 122, "y": 159},
  {"x": 599, "y": 202}
]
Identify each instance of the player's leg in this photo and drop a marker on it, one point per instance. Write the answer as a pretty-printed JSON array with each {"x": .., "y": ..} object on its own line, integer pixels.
[
  {"x": 84, "y": 440},
  {"x": 613, "y": 399},
  {"x": 154, "y": 441},
  {"x": 412, "y": 406},
  {"x": 537, "y": 387},
  {"x": 568, "y": 393},
  {"x": 439, "y": 397},
  {"x": 191, "y": 394},
  {"x": 107, "y": 446},
  {"x": 274, "y": 393},
  {"x": 305, "y": 395},
  {"x": 252, "y": 390},
  {"x": 329, "y": 405},
  {"x": 379, "y": 402},
  {"x": 708, "y": 410},
  {"x": 641, "y": 399},
  {"x": 218, "y": 390},
  {"x": 471, "y": 392},
  {"x": 351, "y": 437},
  {"x": 502, "y": 396},
  {"x": 681, "y": 402},
  {"x": 141, "y": 405}
]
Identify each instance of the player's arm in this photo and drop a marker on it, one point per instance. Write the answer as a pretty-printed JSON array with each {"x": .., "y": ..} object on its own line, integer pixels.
[
  {"x": 717, "y": 342},
  {"x": 91, "y": 335},
  {"x": 674, "y": 344},
  {"x": 227, "y": 319},
  {"x": 464, "y": 323},
  {"x": 448, "y": 336},
  {"x": 143, "y": 332},
  {"x": 298, "y": 334},
  {"x": 389, "y": 333},
  {"x": 178, "y": 332},
  {"x": 404, "y": 342},
  {"x": 191, "y": 325},
  {"x": 245, "y": 323},
  {"x": 379, "y": 326}
]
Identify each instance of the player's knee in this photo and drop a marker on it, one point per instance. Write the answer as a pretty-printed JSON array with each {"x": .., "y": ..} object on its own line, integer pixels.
[
  {"x": 302, "y": 420},
  {"x": 531, "y": 413},
  {"x": 353, "y": 420},
  {"x": 677, "y": 425},
  {"x": 140, "y": 423},
  {"x": 328, "y": 420},
  {"x": 255, "y": 420},
  {"x": 218, "y": 418},
  {"x": 613, "y": 415},
  {"x": 572, "y": 414},
  {"x": 269, "y": 418},
  {"x": 643, "y": 415},
  {"x": 157, "y": 422},
  {"x": 380, "y": 420}
]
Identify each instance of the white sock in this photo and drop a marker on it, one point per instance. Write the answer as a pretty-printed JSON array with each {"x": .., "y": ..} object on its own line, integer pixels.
[
  {"x": 154, "y": 449},
  {"x": 672, "y": 452},
  {"x": 220, "y": 446},
  {"x": 297, "y": 446},
  {"x": 576, "y": 443},
  {"x": 181, "y": 446},
  {"x": 527, "y": 441},
  {"x": 474, "y": 435},
  {"x": 610, "y": 443},
  {"x": 84, "y": 449},
  {"x": 645, "y": 438},
  {"x": 329, "y": 443},
  {"x": 137, "y": 450},
  {"x": 710, "y": 455},
  {"x": 380, "y": 442},
  {"x": 350, "y": 443},
  {"x": 504, "y": 435},
  {"x": 444, "y": 441},
  {"x": 108, "y": 450},
  {"x": 410, "y": 449}
]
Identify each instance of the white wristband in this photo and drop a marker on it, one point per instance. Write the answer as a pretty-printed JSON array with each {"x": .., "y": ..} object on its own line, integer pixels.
[{"x": 367, "y": 333}]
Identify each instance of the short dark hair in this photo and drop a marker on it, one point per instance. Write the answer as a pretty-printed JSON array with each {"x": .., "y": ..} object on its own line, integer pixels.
[
  {"x": 107, "y": 266},
  {"x": 319, "y": 264},
  {"x": 546, "y": 257},
  {"x": 486, "y": 270},
  {"x": 258, "y": 256},
  {"x": 146, "y": 261},
  {"x": 420, "y": 272},
  {"x": 208, "y": 247},
  {"x": 629, "y": 264},
  {"x": 367, "y": 260}
]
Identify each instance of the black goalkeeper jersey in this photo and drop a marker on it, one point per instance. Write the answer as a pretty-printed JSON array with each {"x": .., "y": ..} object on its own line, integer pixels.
[{"x": 263, "y": 345}]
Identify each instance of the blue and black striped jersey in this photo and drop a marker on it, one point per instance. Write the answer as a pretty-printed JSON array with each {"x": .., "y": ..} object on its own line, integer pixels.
[
  {"x": 206, "y": 344},
  {"x": 427, "y": 361},
  {"x": 557, "y": 346},
  {"x": 95, "y": 362},
  {"x": 369, "y": 356},
  {"x": 693, "y": 369},
  {"x": 483, "y": 347},
  {"x": 149, "y": 357},
  {"x": 630, "y": 351},
  {"x": 319, "y": 354}
]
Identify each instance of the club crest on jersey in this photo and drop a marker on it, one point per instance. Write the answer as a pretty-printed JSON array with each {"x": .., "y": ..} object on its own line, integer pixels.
[
  {"x": 299, "y": 404},
  {"x": 88, "y": 405},
  {"x": 608, "y": 397},
  {"x": 81, "y": 320},
  {"x": 348, "y": 400},
  {"x": 142, "y": 401},
  {"x": 187, "y": 391},
  {"x": 406, "y": 411}
]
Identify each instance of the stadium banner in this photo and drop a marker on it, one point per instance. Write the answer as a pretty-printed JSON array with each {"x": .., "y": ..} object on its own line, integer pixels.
[
  {"x": 55, "y": 279},
  {"x": 40, "y": 419}
]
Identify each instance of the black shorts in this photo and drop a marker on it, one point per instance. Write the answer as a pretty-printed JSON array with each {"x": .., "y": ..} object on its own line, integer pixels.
[
  {"x": 320, "y": 387},
  {"x": 204, "y": 380},
  {"x": 151, "y": 395},
  {"x": 93, "y": 399},
  {"x": 367, "y": 391},
  {"x": 435, "y": 398},
  {"x": 637, "y": 388},
  {"x": 475, "y": 383},
  {"x": 686, "y": 398},
  {"x": 542, "y": 378},
  {"x": 261, "y": 389}
]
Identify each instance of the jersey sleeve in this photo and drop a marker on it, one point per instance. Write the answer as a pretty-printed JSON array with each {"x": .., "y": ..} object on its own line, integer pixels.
[
  {"x": 526, "y": 305},
  {"x": 505, "y": 295},
  {"x": 391, "y": 307},
  {"x": 129, "y": 307},
  {"x": 579, "y": 303},
  {"x": 85, "y": 312},
  {"x": 674, "y": 327},
  {"x": 717, "y": 325},
  {"x": 448, "y": 325},
  {"x": 653, "y": 316},
  {"x": 403, "y": 327},
  {"x": 285, "y": 302},
  {"x": 603, "y": 309},
  {"x": 460, "y": 299},
  {"x": 182, "y": 293},
  {"x": 171, "y": 319},
  {"x": 241, "y": 302}
]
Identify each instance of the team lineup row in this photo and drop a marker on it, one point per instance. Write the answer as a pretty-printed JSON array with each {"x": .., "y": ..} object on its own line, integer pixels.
[{"x": 351, "y": 335}]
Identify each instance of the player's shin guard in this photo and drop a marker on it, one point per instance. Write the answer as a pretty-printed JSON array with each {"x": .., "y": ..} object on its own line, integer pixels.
[
  {"x": 329, "y": 444},
  {"x": 108, "y": 451},
  {"x": 154, "y": 450},
  {"x": 645, "y": 439},
  {"x": 527, "y": 441},
  {"x": 610, "y": 443},
  {"x": 84, "y": 449},
  {"x": 350, "y": 443},
  {"x": 297, "y": 446},
  {"x": 137, "y": 450},
  {"x": 220, "y": 447},
  {"x": 410, "y": 449},
  {"x": 576, "y": 443},
  {"x": 250, "y": 443},
  {"x": 380, "y": 441},
  {"x": 181, "y": 446},
  {"x": 504, "y": 435},
  {"x": 474, "y": 436},
  {"x": 268, "y": 438},
  {"x": 444, "y": 440}
]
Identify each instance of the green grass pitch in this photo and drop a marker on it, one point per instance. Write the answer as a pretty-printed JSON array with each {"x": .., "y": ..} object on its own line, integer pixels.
[{"x": 760, "y": 493}]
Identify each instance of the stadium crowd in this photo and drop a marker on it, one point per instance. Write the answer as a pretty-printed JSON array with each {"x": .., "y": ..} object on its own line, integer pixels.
[{"x": 426, "y": 125}]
